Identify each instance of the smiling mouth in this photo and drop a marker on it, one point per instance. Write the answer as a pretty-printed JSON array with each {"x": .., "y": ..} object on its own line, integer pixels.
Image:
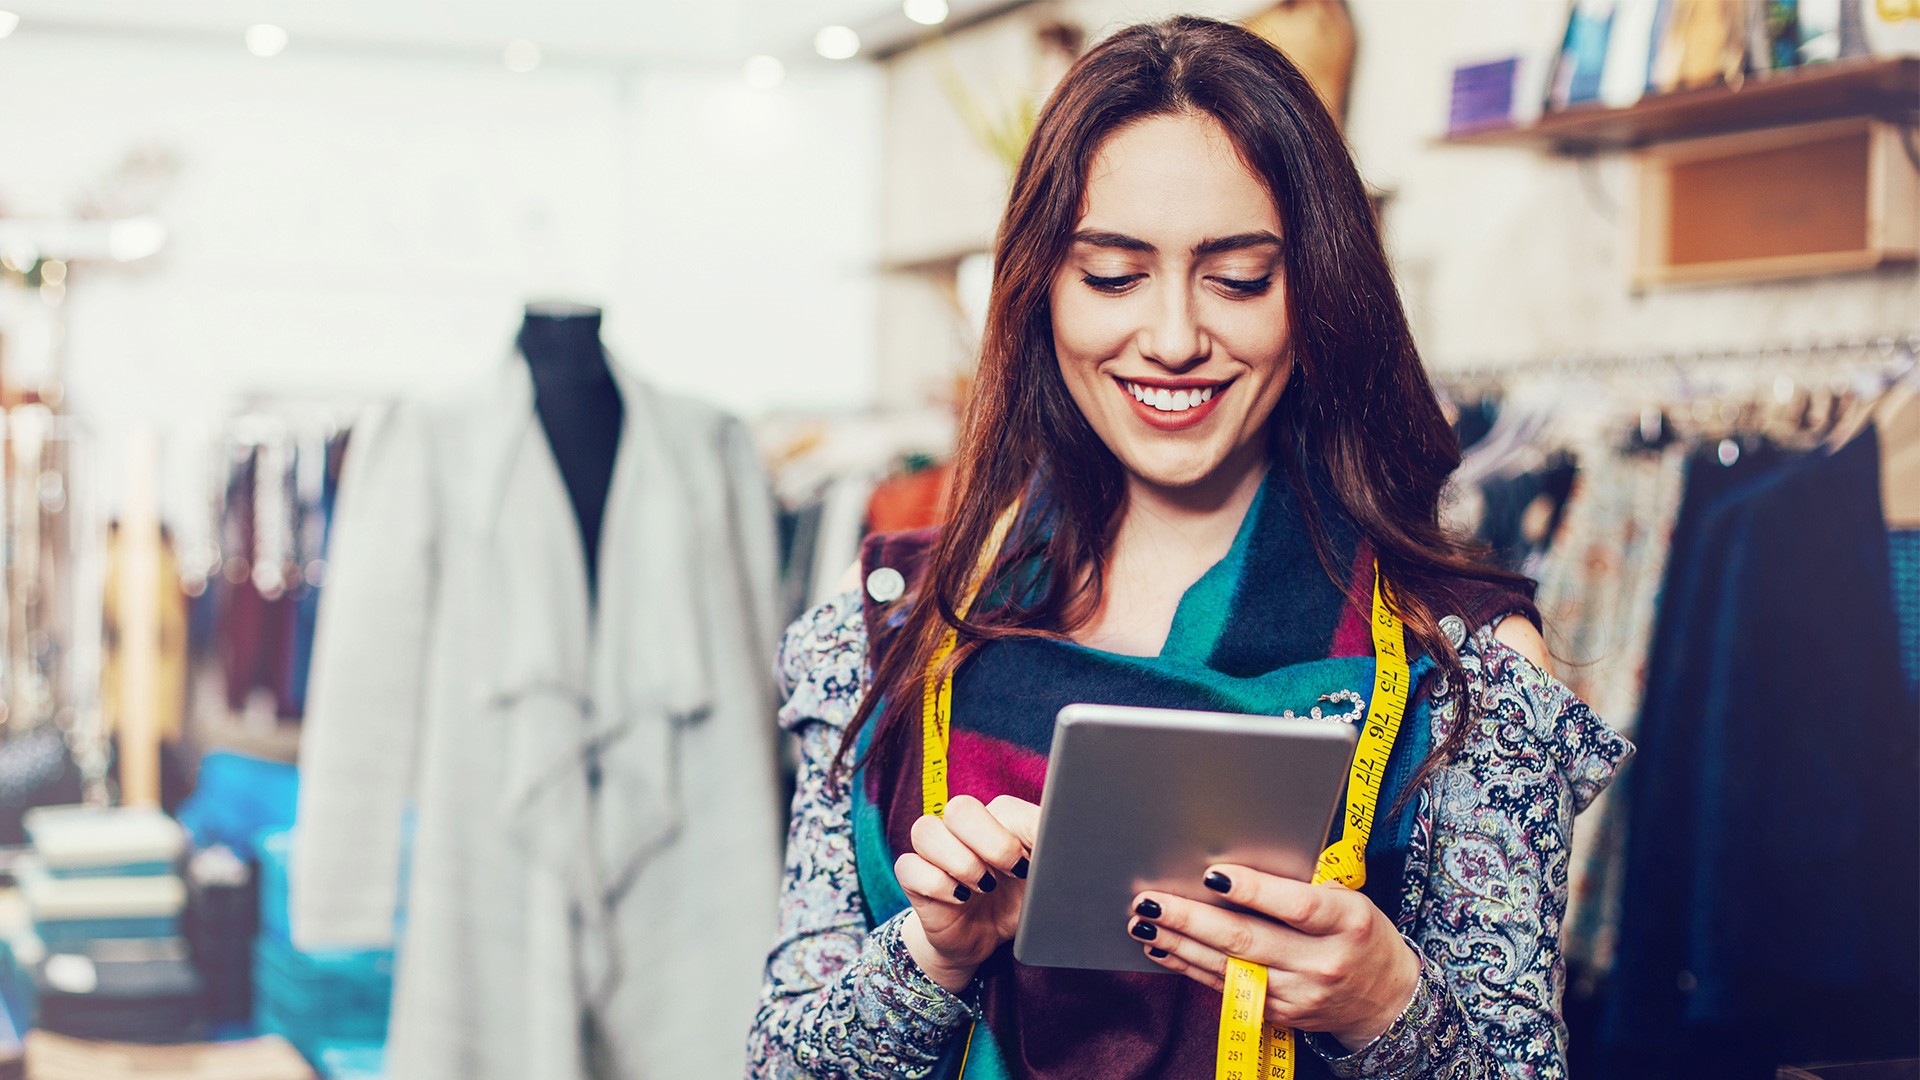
[{"x": 1173, "y": 404}]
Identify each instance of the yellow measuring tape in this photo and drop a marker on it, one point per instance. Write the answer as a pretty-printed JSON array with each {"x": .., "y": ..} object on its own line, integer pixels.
[
  {"x": 1251, "y": 1049},
  {"x": 936, "y": 695},
  {"x": 936, "y": 699}
]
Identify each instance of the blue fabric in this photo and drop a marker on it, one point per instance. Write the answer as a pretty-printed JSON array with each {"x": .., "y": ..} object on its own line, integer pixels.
[
  {"x": 1903, "y": 547},
  {"x": 238, "y": 797},
  {"x": 1772, "y": 896}
]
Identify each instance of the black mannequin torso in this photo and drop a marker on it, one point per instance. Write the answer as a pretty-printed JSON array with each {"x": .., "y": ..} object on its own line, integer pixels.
[{"x": 579, "y": 405}]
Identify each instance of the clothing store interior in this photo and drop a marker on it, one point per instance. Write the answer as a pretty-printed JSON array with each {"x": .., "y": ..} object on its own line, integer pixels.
[{"x": 441, "y": 442}]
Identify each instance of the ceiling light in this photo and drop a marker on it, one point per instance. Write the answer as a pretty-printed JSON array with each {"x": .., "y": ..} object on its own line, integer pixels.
[
  {"x": 765, "y": 72},
  {"x": 266, "y": 39},
  {"x": 926, "y": 12},
  {"x": 522, "y": 56},
  {"x": 836, "y": 42},
  {"x": 135, "y": 238},
  {"x": 8, "y": 20}
]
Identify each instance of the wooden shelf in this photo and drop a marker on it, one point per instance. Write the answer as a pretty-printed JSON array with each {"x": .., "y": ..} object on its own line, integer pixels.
[{"x": 1884, "y": 87}]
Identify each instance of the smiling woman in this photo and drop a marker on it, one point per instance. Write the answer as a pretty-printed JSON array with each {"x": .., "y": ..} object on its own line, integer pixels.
[{"x": 1201, "y": 470}]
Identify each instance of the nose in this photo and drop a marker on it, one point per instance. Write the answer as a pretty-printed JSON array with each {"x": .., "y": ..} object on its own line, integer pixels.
[{"x": 1174, "y": 340}]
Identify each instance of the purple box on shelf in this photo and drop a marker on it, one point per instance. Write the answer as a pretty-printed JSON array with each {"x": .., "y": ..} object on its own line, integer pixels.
[{"x": 1483, "y": 95}]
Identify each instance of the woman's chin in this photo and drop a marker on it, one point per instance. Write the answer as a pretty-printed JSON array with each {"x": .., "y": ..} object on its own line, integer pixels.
[{"x": 1177, "y": 469}]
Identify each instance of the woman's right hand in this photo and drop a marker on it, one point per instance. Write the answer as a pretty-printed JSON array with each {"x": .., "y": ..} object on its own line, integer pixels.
[{"x": 966, "y": 877}]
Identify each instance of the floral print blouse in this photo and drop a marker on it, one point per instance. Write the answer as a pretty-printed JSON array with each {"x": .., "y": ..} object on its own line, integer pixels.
[{"x": 1485, "y": 886}]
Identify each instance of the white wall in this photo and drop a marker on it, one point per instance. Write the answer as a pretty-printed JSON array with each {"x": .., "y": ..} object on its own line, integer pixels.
[{"x": 371, "y": 224}]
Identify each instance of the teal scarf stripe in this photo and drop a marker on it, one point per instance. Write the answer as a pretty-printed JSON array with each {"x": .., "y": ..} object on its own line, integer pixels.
[{"x": 1203, "y": 611}]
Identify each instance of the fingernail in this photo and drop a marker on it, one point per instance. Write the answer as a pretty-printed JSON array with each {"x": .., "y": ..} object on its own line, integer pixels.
[
  {"x": 962, "y": 893},
  {"x": 1157, "y": 954},
  {"x": 1020, "y": 868},
  {"x": 1144, "y": 931},
  {"x": 1217, "y": 881},
  {"x": 1147, "y": 909},
  {"x": 987, "y": 884}
]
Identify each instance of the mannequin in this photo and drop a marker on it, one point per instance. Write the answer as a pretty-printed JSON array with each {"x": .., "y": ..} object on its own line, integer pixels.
[{"x": 580, "y": 409}]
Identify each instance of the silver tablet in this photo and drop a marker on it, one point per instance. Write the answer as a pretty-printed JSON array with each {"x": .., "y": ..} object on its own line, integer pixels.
[{"x": 1149, "y": 798}]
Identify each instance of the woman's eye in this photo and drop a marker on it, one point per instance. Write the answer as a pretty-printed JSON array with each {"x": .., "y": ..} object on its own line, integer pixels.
[
  {"x": 1246, "y": 286},
  {"x": 1111, "y": 284}
]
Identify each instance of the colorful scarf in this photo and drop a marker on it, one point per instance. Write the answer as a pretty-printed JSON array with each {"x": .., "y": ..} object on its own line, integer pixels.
[{"x": 1264, "y": 631}]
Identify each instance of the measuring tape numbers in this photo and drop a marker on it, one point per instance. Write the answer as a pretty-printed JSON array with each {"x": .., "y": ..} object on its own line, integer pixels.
[{"x": 1250, "y": 1048}]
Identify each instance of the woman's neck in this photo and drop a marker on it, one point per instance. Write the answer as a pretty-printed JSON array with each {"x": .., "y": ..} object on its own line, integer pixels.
[
  {"x": 1205, "y": 516},
  {"x": 1165, "y": 540}
]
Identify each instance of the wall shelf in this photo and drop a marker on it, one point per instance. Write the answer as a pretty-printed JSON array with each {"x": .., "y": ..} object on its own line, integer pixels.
[{"x": 1885, "y": 87}]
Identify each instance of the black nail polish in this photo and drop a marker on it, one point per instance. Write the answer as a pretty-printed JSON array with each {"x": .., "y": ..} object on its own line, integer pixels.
[
  {"x": 1157, "y": 954},
  {"x": 987, "y": 884},
  {"x": 1217, "y": 881},
  {"x": 1147, "y": 909},
  {"x": 1020, "y": 868},
  {"x": 1144, "y": 931},
  {"x": 962, "y": 893}
]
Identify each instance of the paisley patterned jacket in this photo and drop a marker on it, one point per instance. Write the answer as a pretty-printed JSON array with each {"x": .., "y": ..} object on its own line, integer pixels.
[{"x": 1484, "y": 892}]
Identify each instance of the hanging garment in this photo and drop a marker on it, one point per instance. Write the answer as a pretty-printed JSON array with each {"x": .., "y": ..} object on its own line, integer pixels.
[
  {"x": 256, "y": 626},
  {"x": 169, "y": 701},
  {"x": 1904, "y": 548},
  {"x": 1599, "y": 595},
  {"x": 596, "y": 852},
  {"x": 1771, "y": 912},
  {"x": 316, "y": 521}
]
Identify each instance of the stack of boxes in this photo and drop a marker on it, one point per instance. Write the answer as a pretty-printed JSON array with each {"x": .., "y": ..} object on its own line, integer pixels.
[
  {"x": 331, "y": 1004},
  {"x": 104, "y": 898}
]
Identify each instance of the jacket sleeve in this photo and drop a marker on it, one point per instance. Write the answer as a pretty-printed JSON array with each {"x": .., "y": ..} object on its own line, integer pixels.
[
  {"x": 1488, "y": 914},
  {"x": 367, "y": 691},
  {"x": 839, "y": 1002}
]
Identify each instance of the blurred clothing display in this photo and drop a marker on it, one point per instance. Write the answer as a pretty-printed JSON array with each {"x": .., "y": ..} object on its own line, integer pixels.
[
  {"x": 49, "y": 616},
  {"x": 1599, "y": 592},
  {"x": 1734, "y": 595},
  {"x": 841, "y": 479},
  {"x": 1780, "y": 760},
  {"x": 273, "y": 511},
  {"x": 1903, "y": 549},
  {"x": 323, "y": 1001},
  {"x": 169, "y": 689},
  {"x": 596, "y": 855}
]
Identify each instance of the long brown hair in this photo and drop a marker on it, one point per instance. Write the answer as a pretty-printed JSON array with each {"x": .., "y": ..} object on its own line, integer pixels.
[{"x": 1358, "y": 406}]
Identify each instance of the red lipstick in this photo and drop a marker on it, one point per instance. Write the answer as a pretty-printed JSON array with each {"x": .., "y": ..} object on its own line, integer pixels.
[{"x": 1176, "y": 419}]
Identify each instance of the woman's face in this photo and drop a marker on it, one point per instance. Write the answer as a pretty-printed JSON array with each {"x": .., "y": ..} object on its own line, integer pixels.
[{"x": 1170, "y": 311}]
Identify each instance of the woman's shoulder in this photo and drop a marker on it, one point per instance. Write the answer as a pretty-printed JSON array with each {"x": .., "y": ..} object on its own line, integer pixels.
[
  {"x": 1529, "y": 720},
  {"x": 822, "y": 662}
]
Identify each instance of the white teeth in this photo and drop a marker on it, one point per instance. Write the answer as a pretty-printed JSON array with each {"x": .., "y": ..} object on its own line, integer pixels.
[{"x": 1173, "y": 401}]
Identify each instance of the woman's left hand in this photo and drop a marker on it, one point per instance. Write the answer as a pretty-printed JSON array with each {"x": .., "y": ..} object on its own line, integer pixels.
[{"x": 1334, "y": 962}]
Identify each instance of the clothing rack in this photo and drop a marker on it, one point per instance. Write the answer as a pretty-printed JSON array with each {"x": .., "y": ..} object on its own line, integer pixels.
[{"x": 1889, "y": 350}]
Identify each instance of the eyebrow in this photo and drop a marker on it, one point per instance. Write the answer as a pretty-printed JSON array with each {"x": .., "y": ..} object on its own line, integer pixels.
[{"x": 1214, "y": 246}]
